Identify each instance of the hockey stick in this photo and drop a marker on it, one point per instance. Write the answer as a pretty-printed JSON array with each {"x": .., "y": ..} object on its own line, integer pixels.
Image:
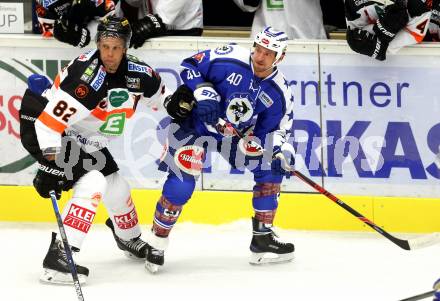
[
  {"x": 72, "y": 266},
  {"x": 419, "y": 297},
  {"x": 411, "y": 244},
  {"x": 415, "y": 243}
]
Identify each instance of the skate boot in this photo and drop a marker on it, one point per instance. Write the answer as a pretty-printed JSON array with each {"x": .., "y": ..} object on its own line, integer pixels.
[
  {"x": 266, "y": 248},
  {"x": 56, "y": 267},
  {"x": 154, "y": 260},
  {"x": 156, "y": 247},
  {"x": 133, "y": 248}
]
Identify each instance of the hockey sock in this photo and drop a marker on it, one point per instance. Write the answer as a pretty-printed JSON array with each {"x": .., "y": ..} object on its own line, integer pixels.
[{"x": 165, "y": 217}]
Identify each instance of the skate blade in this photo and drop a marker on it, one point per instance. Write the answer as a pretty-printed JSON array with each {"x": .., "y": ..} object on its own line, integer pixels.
[
  {"x": 55, "y": 277},
  {"x": 151, "y": 267},
  {"x": 269, "y": 258}
]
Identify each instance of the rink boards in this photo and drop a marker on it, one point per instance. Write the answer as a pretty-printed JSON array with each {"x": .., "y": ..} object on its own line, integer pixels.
[
  {"x": 366, "y": 131},
  {"x": 302, "y": 211}
]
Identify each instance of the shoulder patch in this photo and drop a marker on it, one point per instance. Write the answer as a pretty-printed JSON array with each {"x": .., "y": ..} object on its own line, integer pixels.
[
  {"x": 223, "y": 50},
  {"x": 99, "y": 79},
  {"x": 90, "y": 70},
  {"x": 140, "y": 68},
  {"x": 265, "y": 99},
  {"x": 199, "y": 57}
]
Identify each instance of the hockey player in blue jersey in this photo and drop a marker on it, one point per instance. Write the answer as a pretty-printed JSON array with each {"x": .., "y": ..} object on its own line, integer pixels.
[{"x": 241, "y": 88}]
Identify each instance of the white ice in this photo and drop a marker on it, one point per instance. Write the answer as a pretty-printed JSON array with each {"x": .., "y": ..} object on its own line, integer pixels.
[{"x": 210, "y": 263}]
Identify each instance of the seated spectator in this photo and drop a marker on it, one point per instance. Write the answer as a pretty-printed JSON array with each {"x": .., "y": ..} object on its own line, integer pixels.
[
  {"x": 433, "y": 34},
  {"x": 300, "y": 19},
  {"x": 71, "y": 21},
  {"x": 67, "y": 20},
  {"x": 377, "y": 27},
  {"x": 165, "y": 17}
]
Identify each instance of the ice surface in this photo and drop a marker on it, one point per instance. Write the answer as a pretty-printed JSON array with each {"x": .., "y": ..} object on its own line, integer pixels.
[{"x": 210, "y": 263}]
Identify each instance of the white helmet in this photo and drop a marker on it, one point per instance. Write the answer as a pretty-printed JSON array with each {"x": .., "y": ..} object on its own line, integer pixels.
[{"x": 272, "y": 39}]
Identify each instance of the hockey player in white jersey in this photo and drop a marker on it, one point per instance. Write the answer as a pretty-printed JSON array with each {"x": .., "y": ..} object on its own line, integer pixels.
[
  {"x": 246, "y": 90},
  {"x": 67, "y": 128},
  {"x": 300, "y": 19},
  {"x": 375, "y": 28}
]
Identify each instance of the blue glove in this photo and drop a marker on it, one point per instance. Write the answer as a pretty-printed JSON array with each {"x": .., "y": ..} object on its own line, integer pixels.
[
  {"x": 208, "y": 111},
  {"x": 280, "y": 165},
  {"x": 436, "y": 287},
  {"x": 37, "y": 83}
]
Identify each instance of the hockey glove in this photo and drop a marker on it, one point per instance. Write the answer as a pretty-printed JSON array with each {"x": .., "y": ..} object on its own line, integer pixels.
[
  {"x": 208, "y": 111},
  {"x": 180, "y": 104},
  {"x": 38, "y": 83},
  {"x": 363, "y": 42},
  {"x": 394, "y": 18},
  {"x": 283, "y": 160},
  {"x": 71, "y": 33},
  {"x": 49, "y": 177},
  {"x": 148, "y": 27}
]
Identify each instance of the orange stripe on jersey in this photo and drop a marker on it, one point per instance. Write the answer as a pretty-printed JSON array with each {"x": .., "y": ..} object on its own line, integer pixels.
[
  {"x": 416, "y": 36},
  {"x": 51, "y": 122},
  {"x": 56, "y": 82},
  {"x": 102, "y": 115}
]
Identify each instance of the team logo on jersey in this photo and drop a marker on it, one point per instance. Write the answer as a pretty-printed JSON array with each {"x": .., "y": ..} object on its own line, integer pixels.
[
  {"x": 265, "y": 99},
  {"x": 199, "y": 57},
  {"x": 223, "y": 50},
  {"x": 140, "y": 68},
  {"x": 117, "y": 97},
  {"x": 133, "y": 82},
  {"x": 239, "y": 109},
  {"x": 99, "y": 79},
  {"x": 189, "y": 158},
  {"x": 81, "y": 91}
]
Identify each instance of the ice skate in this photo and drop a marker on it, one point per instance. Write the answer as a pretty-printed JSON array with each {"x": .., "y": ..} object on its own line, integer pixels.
[
  {"x": 266, "y": 248},
  {"x": 156, "y": 246},
  {"x": 134, "y": 248},
  {"x": 154, "y": 260},
  {"x": 56, "y": 267}
]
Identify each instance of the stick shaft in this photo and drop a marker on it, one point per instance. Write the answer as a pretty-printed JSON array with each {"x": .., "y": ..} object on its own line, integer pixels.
[{"x": 67, "y": 249}]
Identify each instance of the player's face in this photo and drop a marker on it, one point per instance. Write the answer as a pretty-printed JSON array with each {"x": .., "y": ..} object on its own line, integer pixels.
[
  {"x": 112, "y": 51},
  {"x": 262, "y": 60}
]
